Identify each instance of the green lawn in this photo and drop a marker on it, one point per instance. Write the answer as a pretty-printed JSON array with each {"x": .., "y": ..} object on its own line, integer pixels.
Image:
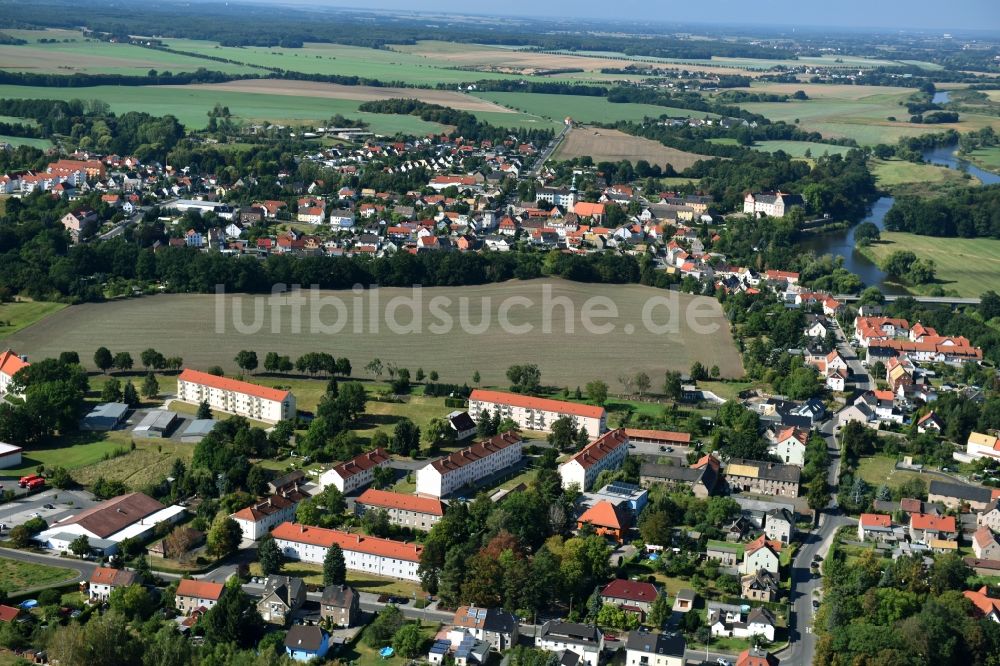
[
  {"x": 878, "y": 470},
  {"x": 582, "y": 108},
  {"x": 20, "y": 314},
  {"x": 965, "y": 266},
  {"x": 359, "y": 653},
  {"x": 16, "y": 575},
  {"x": 41, "y": 144},
  {"x": 799, "y": 148},
  {"x": 71, "y": 452},
  {"x": 312, "y": 574},
  {"x": 987, "y": 158},
  {"x": 900, "y": 177}
]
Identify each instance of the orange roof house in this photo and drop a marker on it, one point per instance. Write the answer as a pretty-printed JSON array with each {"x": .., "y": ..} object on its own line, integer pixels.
[
  {"x": 607, "y": 520},
  {"x": 985, "y": 604}
]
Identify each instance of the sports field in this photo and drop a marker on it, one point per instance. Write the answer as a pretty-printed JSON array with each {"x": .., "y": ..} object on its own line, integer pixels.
[
  {"x": 965, "y": 266},
  {"x": 582, "y": 108},
  {"x": 200, "y": 328},
  {"x": 613, "y": 146}
]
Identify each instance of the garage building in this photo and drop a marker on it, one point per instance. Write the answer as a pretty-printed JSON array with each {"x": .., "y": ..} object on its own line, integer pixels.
[{"x": 10, "y": 456}]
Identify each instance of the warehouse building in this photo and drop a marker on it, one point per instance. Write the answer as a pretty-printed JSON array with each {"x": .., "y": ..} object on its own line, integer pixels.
[
  {"x": 106, "y": 416},
  {"x": 156, "y": 424}
]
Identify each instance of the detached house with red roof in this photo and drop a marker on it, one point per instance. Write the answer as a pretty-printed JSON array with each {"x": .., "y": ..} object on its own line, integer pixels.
[
  {"x": 761, "y": 553},
  {"x": 455, "y": 471},
  {"x": 418, "y": 513},
  {"x": 105, "y": 580},
  {"x": 537, "y": 413},
  {"x": 382, "y": 557},
  {"x": 196, "y": 595},
  {"x": 986, "y": 605},
  {"x": 632, "y": 596},
  {"x": 607, "y": 452},
  {"x": 925, "y": 527},
  {"x": 607, "y": 520},
  {"x": 10, "y": 363},
  {"x": 259, "y": 518},
  {"x": 985, "y": 545},
  {"x": 236, "y": 397},
  {"x": 790, "y": 445},
  {"x": 875, "y": 527}
]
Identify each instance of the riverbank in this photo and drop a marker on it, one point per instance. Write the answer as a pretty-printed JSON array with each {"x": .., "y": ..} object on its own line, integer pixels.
[
  {"x": 965, "y": 267},
  {"x": 900, "y": 178},
  {"x": 985, "y": 158}
]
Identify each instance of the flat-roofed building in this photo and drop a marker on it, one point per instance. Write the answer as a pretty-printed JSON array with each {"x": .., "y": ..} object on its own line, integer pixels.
[
  {"x": 418, "y": 513},
  {"x": 606, "y": 452},
  {"x": 537, "y": 413},
  {"x": 156, "y": 424},
  {"x": 10, "y": 455},
  {"x": 106, "y": 416},
  {"x": 233, "y": 396},
  {"x": 382, "y": 557},
  {"x": 445, "y": 475}
]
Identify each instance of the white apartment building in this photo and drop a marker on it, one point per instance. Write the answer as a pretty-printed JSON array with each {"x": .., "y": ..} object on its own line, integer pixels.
[
  {"x": 418, "y": 513},
  {"x": 444, "y": 476},
  {"x": 355, "y": 473},
  {"x": 383, "y": 557},
  {"x": 607, "y": 452},
  {"x": 260, "y": 518},
  {"x": 233, "y": 396},
  {"x": 537, "y": 413}
]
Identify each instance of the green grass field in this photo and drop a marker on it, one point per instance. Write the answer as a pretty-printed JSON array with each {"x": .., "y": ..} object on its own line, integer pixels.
[
  {"x": 863, "y": 119},
  {"x": 73, "y": 452},
  {"x": 186, "y": 326},
  {"x": 42, "y": 144},
  {"x": 987, "y": 158},
  {"x": 965, "y": 266},
  {"x": 902, "y": 177},
  {"x": 581, "y": 108},
  {"x": 20, "y": 314},
  {"x": 191, "y": 106},
  {"x": 878, "y": 470},
  {"x": 16, "y": 575},
  {"x": 799, "y": 148}
]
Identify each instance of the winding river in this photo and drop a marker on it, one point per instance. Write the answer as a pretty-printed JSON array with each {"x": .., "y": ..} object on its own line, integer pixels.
[{"x": 841, "y": 243}]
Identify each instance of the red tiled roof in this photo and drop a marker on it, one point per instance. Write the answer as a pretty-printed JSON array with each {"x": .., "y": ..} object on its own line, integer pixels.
[
  {"x": 983, "y": 537},
  {"x": 390, "y": 500},
  {"x": 630, "y": 589},
  {"x": 113, "y": 515},
  {"x": 544, "y": 404},
  {"x": 318, "y": 536},
  {"x": 260, "y": 510},
  {"x": 665, "y": 436},
  {"x": 8, "y": 613},
  {"x": 596, "y": 451},
  {"x": 792, "y": 431},
  {"x": 760, "y": 542},
  {"x": 983, "y": 602},
  {"x": 199, "y": 589},
  {"x": 113, "y": 577},
  {"x": 875, "y": 520},
  {"x": 361, "y": 462},
  {"x": 227, "y": 384},
  {"x": 476, "y": 452},
  {"x": 604, "y": 514},
  {"x": 926, "y": 521},
  {"x": 11, "y": 363}
]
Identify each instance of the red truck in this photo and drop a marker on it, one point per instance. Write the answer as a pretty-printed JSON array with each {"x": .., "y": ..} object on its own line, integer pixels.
[
  {"x": 36, "y": 483},
  {"x": 25, "y": 480}
]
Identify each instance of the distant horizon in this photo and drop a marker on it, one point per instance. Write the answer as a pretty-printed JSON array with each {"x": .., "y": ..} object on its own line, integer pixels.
[{"x": 974, "y": 16}]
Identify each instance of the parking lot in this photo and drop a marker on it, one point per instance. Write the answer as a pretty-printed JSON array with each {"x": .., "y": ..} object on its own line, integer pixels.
[{"x": 64, "y": 503}]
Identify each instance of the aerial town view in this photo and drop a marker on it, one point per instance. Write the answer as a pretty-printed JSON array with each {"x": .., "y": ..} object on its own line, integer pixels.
[{"x": 532, "y": 334}]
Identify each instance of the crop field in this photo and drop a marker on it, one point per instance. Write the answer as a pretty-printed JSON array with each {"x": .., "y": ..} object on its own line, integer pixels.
[
  {"x": 863, "y": 119},
  {"x": 799, "y": 148},
  {"x": 488, "y": 330},
  {"x": 613, "y": 146},
  {"x": 582, "y": 108},
  {"x": 75, "y": 54},
  {"x": 449, "y": 98},
  {"x": 965, "y": 266}
]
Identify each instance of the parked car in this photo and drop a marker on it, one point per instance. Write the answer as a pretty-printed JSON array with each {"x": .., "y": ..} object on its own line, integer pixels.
[{"x": 49, "y": 506}]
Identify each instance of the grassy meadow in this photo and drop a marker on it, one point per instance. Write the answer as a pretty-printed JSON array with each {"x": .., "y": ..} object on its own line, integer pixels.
[
  {"x": 965, "y": 266},
  {"x": 20, "y": 314},
  {"x": 17, "y": 575},
  {"x": 582, "y": 108},
  {"x": 899, "y": 177},
  {"x": 799, "y": 148}
]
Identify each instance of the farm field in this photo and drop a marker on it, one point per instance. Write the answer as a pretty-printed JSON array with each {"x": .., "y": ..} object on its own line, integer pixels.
[
  {"x": 863, "y": 119},
  {"x": 15, "y": 141},
  {"x": 191, "y": 105},
  {"x": 965, "y": 266},
  {"x": 21, "y": 314},
  {"x": 455, "y": 100},
  {"x": 81, "y": 55},
  {"x": 186, "y": 326},
  {"x": 799, "y": 148},
  {"x": 613, "y": 146},
  {"x": 582, "y": 108},
  {"x": 17, "y": 575},
  {"x": 902, "y": 177}
]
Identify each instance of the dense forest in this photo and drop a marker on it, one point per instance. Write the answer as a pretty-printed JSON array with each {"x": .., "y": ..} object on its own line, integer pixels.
[{"x": 971, "y": 212}]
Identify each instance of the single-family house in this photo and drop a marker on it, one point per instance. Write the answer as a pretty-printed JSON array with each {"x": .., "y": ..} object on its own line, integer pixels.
[
  {"x": 875, "y": 527},
  {"x": 341, "y": 604},
  {"x": 192, "y": 595},
  {"x": 924, "y": 527},
  {"x": 790, "y": 445},
  {"x": 105, "y": 580},
  {"x": 632, "y": 596},
  {"x": 607, "y": 520},
  {"x": 495, "y": 626},
  {"x": 305, "y": 642},
  {"x": 648, "y": 648},
  {"x": 761, "y": 585},
  {"x": 986, "y": 606},
  {"x": 761, "y": 553},
  {"x": 990, "y": 516},
  {"x": 283, "y": 595},
  {"x": 584, "y": 640}
]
